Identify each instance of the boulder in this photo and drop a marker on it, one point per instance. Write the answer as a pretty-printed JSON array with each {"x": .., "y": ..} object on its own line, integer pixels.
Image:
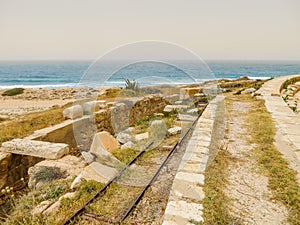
[
  {"x": 73, "y": 112},
  {"x": 123, "y": 137},
  {"x": 174, "y": 130},
  {"x": 34, "y": 148}
]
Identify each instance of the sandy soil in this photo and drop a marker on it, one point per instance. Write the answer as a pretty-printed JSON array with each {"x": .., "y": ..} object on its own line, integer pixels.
[
  {"x": 13, "y": 107},
  {"x": 36, "y": 100},
  {"x": 249, "y": 190}
]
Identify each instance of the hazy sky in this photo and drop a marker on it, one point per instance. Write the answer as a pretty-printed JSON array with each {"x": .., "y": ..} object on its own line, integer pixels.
[{"x": 86, "y": 29}]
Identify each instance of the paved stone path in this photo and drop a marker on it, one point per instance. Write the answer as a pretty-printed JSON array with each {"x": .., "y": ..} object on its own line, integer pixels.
[
  {"x": 183, "y": 206},
  {"x": 287, "y": 122}
]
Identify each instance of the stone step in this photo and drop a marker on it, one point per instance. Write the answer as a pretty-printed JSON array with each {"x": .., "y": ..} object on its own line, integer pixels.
[{"x": 39, "y": 149}]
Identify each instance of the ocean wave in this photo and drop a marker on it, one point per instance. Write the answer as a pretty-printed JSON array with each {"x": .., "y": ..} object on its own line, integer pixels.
[
  {"x": 258, "y": 78},
  {"x": 51, "y": 86}
]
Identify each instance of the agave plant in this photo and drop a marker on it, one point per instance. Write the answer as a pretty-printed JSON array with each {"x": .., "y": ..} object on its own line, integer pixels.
[{"x": 132, "y": 85}]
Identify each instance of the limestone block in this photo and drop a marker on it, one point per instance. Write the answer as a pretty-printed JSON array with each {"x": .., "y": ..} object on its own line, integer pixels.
[
  {"x": 158, "y": 131},
  {"x": 106, "y": 140},
  {"x": 40, "y": 208},
  {"x": 129, "y": 130},
  {"x": 101, "y": 103},
  {"x": 186, "y": 190},
  {"x": 88, "y": 157},
  {"x": 127, "y": 145},
  {"x": 73, "y": 112},
  {"x": 182, "y": 212},
  {"x": 187, "y": 117},
  {"x": 98, "y": 172},
  {"x": 68, "y": 166},
  {"x": 248, "y": 91},
  {"x": 180, "y": 108},
  {"x": 142, "y": 136},
  {"x": 123, "y": 137},
  {"x": 192, "y": 111},
  {"x": 189, "y": 92},
  {"x": 39, "y": 149},
  {"x": 172, "y": 98},
  {"x": 174, "y": 130},
  {"x": 90, "y": 107}
]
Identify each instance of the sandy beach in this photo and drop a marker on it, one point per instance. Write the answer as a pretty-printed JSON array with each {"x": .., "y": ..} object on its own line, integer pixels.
[{"x": 36, "y": 100}]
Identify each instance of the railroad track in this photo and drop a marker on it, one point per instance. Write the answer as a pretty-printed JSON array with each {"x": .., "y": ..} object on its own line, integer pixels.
[{"x": 129, "y": 201}]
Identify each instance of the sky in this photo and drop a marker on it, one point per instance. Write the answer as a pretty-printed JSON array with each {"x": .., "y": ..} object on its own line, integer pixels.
[{"x": 87, "y": 29}]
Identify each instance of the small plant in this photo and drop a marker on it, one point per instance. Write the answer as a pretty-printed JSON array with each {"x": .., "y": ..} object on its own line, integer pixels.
[
  {"x": 294, "y": 107},
  {"x": 48, "y": 174},
  {"x": 132, "y": 85},
  {"x": 285, "y": 98},
  {"x": 14, "y": 91},
  {"x": 55, "y": 192}
]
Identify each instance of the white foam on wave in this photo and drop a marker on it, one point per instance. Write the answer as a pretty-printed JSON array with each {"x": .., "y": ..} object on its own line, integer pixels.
[
  {"x": 258, "y": 78},
  {"x": 51, "y": 86}
]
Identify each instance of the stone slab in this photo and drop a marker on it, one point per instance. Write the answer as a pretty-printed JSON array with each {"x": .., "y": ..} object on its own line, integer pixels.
[
  {"x": 39, "y": 149},
  {"x": 183, "y": 212}
]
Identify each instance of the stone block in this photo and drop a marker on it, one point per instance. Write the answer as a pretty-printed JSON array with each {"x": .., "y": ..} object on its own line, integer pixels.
[
  {"x": 73, "y": 112},
  {"x": 39, "y": 149},
  {"x": 142, "y": 136},
  {"x": 183, "y": 212},
  {"x": 98, "y": 172},
  {"x": 174, "y": 130}
]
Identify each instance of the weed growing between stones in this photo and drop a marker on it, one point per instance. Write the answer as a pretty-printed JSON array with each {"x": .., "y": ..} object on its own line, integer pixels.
[
  {"x": 216, "y": 203},
  {"x": 21, "y": 213}
]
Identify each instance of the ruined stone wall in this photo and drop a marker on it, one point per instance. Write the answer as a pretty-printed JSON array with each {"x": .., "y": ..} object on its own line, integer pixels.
[
  {"x": 126, "y": 112},
  {"x": 112, "y": 119},
  {"x": 13, "y": 167}
]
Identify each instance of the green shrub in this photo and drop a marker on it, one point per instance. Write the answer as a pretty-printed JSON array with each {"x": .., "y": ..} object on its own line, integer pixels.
[{"x": 14, "y": 91}]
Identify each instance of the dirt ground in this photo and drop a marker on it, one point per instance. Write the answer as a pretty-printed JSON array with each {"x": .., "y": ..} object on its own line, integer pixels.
[{"x": 252, "y": 202}]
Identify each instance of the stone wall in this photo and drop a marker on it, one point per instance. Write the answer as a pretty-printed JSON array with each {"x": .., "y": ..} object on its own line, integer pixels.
[
  {"x": 126, "y": 112},
  {"x": 80, "y": 132},
  {"x": 13, "y": 167}
]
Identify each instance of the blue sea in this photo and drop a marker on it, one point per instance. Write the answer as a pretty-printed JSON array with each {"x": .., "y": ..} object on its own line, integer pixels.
[{"x": 55, "y": 74}]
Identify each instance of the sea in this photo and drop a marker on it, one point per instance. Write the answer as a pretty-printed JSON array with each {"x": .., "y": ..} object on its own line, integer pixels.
[{"x": 57, "y": 74}]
